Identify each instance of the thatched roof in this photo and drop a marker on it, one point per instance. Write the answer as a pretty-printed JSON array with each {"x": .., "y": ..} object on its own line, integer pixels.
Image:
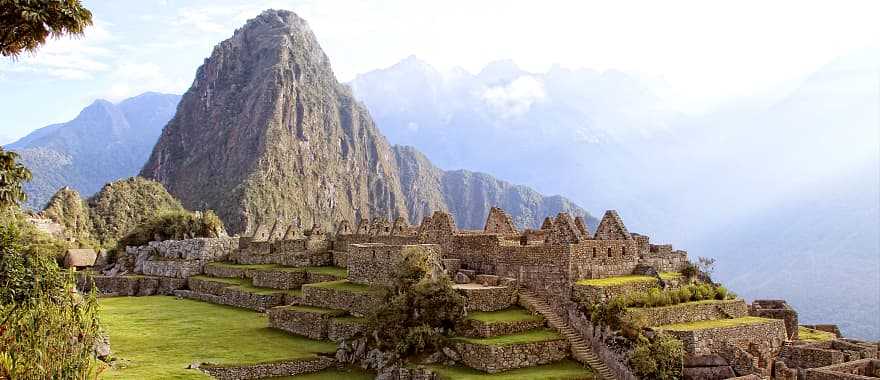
[{"x": 80, "y": 257}]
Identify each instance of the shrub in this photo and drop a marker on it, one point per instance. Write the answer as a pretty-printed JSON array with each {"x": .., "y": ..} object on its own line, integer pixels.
[
  {"x": 422, "y": 311},
  {"x": 690, "y": 271},
  {"x": 47, "y": 330},
  {"x": 658, "y": 358},
  {"x": 173, "y": 225},
  {"x": 721, "y": 293}
]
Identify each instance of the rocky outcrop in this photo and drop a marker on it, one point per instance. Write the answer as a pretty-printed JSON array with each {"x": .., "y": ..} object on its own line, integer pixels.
[
  {"x": 267, "y": 133},
  {"x": 68, "y": 209}
]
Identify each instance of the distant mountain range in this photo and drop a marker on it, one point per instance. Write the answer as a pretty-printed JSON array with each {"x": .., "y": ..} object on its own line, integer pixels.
[
  {"x": 103, "y": 143},
  {"x": 226, "y": 148}
]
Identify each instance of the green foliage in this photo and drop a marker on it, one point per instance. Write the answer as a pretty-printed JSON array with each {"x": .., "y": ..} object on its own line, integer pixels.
[
  {"x": 659, "y": 358},
  {"x": 124, "y": 204},
  {"x": 13, "y": 174},
  {"x": 67, "y": 208},
  {"x": 27, "y": 23},
  {"x": 47, "y": 330},
  {"x": 690, "y": 271},
  {"x": 173, "y": 225},
  {"x": 422, "y": 311},
  {"x": 656, "y": 297}
]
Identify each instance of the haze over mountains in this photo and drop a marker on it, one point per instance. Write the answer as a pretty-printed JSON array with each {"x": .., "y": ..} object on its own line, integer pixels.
[
  {"x": 738, "y": 184},
  {"x": 266, "y": 133},
  {"x": 104, "y": 142}
]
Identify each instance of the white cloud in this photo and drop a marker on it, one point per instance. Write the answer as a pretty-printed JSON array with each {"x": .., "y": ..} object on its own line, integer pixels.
[
  {"x": 515, "y": 98},
  {"x": 130, "y": 78},
  {"x": 77, "y": 58}
]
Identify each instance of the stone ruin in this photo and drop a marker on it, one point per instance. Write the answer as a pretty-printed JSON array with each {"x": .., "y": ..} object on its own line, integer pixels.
[{"x": 492, "y": 268}]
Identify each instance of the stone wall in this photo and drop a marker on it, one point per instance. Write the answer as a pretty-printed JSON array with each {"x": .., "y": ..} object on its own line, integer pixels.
[
  {"x": 747, "y": 347},
  {"x": 175, "y": 258},
  {"x": 356, "y": 303},
  {"x": 478, "y": 329},
  {"x": 594, "y": 294},
  {"x": 134, "y": 285},
  {"x": 487, "y": 298},
  {"x": 864, "y": 369},
  {"x": 494, "y": 359},
  {"x": 690, "y": 312},
  {"x": 269, "y": 369},
  {"x": 303, "y": 321},
  {"x": 373, "y": 263},
  {"x": 777, "y": 309}
]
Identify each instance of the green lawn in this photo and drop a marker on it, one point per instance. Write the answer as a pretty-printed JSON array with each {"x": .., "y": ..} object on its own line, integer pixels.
[
  {"x": 513, "y": 314},
  {"x": 713, "y": 324},
  {"x": 242, "y": 266},
  {"x": 531, "y": 336},
  {"x": 343, "y": 285},
  {"x": 670, "y": 275},
  {"x": 333, "y": 374},
  {"x": 222, "y": 280},
  {"x": 317, "y": 310},
  {"x": 814, "y": 335},
  {"x": 616, "y": 280},
  {"x": 562, "y": 370},
  {"x": 157, "y": 337}
]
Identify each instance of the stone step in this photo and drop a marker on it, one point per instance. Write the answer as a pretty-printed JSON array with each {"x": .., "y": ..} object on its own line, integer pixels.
[
  {"x": 581, "y": 351},
  {"x": 315, "y": 323},
  {"x": 356, "y": 299}
]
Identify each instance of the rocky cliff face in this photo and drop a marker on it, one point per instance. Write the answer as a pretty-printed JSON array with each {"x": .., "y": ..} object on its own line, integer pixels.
[
  {"x": 469, "y": 196},
  {"x": 267, "y": 132},
  {"x": 105, "y": 142}
]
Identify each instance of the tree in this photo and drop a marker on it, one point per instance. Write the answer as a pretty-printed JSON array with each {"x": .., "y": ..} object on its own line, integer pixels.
[
  {"x": 27, "y": 23},
  {"x": 12, "y": 176}
]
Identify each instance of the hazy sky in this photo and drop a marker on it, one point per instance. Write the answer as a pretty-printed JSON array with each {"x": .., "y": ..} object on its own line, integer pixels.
[{"x": 696, "y": 54}]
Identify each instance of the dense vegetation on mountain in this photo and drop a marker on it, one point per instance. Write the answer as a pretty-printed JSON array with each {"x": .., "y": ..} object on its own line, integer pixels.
[
  {"x": 113, "y": 212},
  {"x": 266, "y": 132},
  {"x": 105, "y": 142}
]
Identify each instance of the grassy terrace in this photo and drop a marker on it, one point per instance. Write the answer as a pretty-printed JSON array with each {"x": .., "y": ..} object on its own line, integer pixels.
[
  {"x": 246, "y": 286},
  {"x": 562, "y": 370},
  {"x": 328, "y": 270},
  {"x": 343, "y": 285},
  {"x": 714, "y": 324},
  {"x": 333, "y": 374},
  {"x": 636, "y": 309},
  {"x": 531, "y": 336},
  {"x": 814, "y": 335},
  {"x": 628, "y": 279},
  {"x": 513, "y": 314},
  {"x": 242, "y": 266},
  {"x": 317, "y": 310},
  {"x": 156, "y": 337}
]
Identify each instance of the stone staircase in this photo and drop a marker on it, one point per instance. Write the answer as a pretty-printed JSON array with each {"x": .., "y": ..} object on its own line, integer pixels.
[{"x": 580, "y": 349}]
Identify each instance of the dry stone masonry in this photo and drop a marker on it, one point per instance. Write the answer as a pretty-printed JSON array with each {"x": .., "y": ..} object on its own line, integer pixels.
[{"x": 320, "y": 284}]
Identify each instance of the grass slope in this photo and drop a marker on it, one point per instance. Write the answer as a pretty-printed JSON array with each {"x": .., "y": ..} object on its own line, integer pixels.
[
  {"x": 714, "y": 324},
  {"x": 158, "y": 336},
  {"x": 531, "y": 336},
  {"x": 513, "y": 314},
  {"x": 814, "y": 335},
  {"x": 562, "y": 370}
]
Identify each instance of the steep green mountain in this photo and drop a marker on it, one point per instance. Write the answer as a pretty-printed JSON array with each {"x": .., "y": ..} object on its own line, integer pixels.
[
  {"x": 112, "y": 212},
  {"x": 266, "y": 132},
  {"x": 103, "y": 143}
]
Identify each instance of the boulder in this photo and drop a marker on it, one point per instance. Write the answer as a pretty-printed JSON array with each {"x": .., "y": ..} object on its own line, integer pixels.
[{"x": 461, "y": 278}]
